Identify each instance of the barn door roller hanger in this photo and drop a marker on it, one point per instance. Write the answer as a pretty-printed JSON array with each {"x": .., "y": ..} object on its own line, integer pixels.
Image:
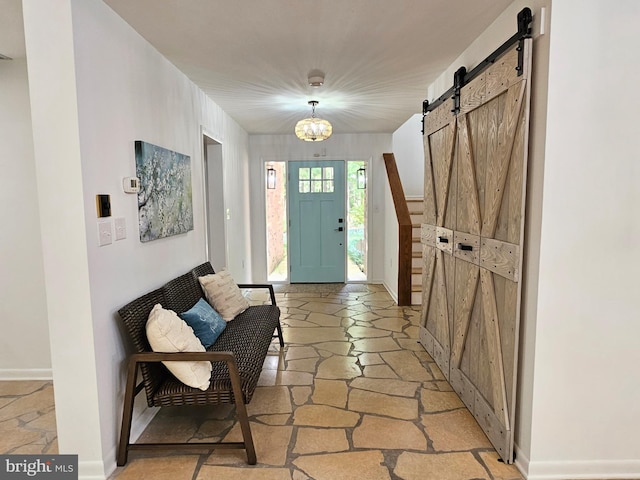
[{"x": 462, "y": 77}]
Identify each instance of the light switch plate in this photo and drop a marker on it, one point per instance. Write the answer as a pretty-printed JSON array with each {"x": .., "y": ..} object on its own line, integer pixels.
[
  {"x": 104, "y": 233},
  {"x": 121, "y": 228}
]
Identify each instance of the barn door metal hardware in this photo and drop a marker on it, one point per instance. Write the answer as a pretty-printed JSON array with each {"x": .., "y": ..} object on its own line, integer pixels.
[
  {"x": 524, "y": 19},
  {"x": 524, "y": 31},
  {"x": 458, "y": 83},
  {"x": 425, "y": 109}
]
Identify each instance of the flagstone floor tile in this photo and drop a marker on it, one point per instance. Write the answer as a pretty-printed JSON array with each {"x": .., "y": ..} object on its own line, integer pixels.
[
  {"x": 352, "y": 395},
  {"x": 209, "y": 472},
  {"x": 391, "y": 387},
  {"x": 388, "y": 434},
  {"x": 324, "y": 320},
  {"x": 337, "y": 366},
  {"x": 452, "y": 466},
  {"x": 382, "y": 404},
  {"x": 162, "y": 468},
  {"x": 313, "y": 335},
  {"x": 321, "y": 307},
  {"x": 324, "y": 416},
  {"x": 330, "y": 392},
  {"x": 367, "y": 332},
  {"x": 395, "y": 324},
  {"x": 339, "y": 348},
  {"x": 281, "y": 419},
  {"x": 407, "y": 366},
  {"x": 295, "y": 353},
  {"x": 344, "y": 466},
  {"x": 269, "y": 400},
  {"x": 321, "y": 440},
  {"x": 300, "y": 394},
  {"x": 303, "y": 365},
  {"x": 439, "y": 401},
  {"x": 370, "y": 359},
  {"x": 379, "y": 371},
  {"x": 278, "y": 377},
  {"x": 271, "y": 442},
  {"x": 369, "y": 345},
  {"x": 454, "y": 431}
]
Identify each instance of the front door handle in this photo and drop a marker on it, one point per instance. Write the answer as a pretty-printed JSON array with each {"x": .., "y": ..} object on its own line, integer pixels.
[{"x": 339, "y": 229}]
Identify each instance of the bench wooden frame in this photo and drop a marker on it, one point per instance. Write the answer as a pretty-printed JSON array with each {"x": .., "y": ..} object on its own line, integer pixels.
[{"x": 228, "y": 384}]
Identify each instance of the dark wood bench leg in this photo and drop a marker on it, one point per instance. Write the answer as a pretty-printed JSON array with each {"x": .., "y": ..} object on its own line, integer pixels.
[
  {"x": 127, "y": 412},
  {"x": 241, "y": 412}
]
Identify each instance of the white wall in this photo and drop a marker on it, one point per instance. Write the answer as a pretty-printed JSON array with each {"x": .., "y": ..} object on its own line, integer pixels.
[
  {"x": 586, "y": 389},
  {"x": 96, "y": 87},
  {"x": 408, "y": 148},
  {"x": 23, "y": 310},
  {"x": 369, "y": 147},
  {"x": 54, "y": 115}
]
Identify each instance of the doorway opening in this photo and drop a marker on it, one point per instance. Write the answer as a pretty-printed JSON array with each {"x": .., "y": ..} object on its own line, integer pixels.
[
  {"x": 276, "y": 212},
  {"x": 215, "y": 211},
  {"x": 277, "y": 220}
]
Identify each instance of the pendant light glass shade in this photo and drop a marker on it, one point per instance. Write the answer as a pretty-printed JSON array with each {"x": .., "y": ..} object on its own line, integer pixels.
[{"x": 313, "y": 129}]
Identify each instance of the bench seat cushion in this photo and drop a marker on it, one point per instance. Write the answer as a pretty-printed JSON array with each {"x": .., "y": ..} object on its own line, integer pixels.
[{"x": 248, "y": 336}]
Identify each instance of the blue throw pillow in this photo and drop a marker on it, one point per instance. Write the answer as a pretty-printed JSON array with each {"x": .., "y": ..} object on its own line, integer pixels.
[{"x": 207, "y": 324}]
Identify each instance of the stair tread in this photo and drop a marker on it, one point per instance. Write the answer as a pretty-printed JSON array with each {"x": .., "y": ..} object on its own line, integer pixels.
[
  {"x": 416, "y": 270},
  {"x": 416, "y": 288},
  {"x": 416, "y": 254}
]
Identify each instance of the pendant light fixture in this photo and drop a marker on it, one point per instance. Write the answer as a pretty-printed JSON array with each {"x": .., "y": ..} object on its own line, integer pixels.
[{"x": 313, "y": 129}]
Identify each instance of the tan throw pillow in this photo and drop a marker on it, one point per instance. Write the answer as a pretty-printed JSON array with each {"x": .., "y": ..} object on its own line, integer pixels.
[
  {"x": 168, "y": 333},
  {"x": 223, "y": 294}
]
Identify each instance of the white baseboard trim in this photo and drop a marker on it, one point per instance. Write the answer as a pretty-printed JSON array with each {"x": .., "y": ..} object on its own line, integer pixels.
[
  {"x": 138, "y": 425},
  {"x": 91, "y": 470},
  {"x": 522, "y": 461},
  {"x": 141, "y": 422},
  {"x": 393, "y": 294},
  {"x": 584, "y": 470},
  {"x": 26, "y": 374}
]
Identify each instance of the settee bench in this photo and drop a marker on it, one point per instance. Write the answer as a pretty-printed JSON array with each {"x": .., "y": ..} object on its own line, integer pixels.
[{"x": 237, "y": 357}]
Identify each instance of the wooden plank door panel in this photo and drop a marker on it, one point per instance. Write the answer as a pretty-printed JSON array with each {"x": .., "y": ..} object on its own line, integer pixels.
[
  {"x": 475, "y": 176},
  {"x": 438, "y": 263}
]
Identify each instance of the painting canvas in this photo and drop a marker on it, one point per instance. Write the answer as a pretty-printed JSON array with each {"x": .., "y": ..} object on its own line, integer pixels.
[{"x": 165, "y": 207}]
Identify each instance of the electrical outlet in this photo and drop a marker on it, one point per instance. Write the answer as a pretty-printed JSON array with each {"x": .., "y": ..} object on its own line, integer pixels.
[
  {"x": 104, "y": 233},
  {"x": 121, "y": 228}
]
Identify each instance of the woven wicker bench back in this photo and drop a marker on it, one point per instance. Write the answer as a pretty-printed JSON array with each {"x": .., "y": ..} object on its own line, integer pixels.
[{"x": 179, "y": 295}]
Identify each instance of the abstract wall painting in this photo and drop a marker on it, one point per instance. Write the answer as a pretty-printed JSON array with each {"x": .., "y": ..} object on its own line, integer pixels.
[{"x": 165, "y": 206}]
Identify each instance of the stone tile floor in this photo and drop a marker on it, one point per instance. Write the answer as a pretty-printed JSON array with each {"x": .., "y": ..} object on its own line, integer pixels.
[
  {"x": 27, "y": 418},
  {"x": 351, "y": 396}
]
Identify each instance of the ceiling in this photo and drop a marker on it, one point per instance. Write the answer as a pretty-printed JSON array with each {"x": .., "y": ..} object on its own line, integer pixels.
[{"x": 253, "y": 57}]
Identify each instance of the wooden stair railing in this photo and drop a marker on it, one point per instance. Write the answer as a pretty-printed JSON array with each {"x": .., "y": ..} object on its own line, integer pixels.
[{"x": 404, "y": 230}]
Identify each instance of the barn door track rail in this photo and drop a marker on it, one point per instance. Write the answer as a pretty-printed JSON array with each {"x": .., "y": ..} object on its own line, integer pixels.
[{"x": 461, "y": 77}]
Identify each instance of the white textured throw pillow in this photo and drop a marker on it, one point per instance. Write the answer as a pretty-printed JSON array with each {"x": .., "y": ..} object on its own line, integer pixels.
[
  {"x": 223, "y": 294},
  {"x": 168, "y": 333}
]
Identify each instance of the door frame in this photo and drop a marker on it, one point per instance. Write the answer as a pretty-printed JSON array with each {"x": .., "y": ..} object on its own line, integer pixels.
[
  {"x": 213, "y": 160},
  {"x": 370, "y": 177}
]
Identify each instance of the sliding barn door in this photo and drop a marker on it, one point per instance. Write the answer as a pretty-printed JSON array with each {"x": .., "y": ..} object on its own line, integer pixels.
[{"x": 475, "y": 176}]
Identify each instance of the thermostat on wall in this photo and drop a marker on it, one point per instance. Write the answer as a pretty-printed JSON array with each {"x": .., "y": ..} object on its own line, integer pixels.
[{"x": 131, "y": 184}]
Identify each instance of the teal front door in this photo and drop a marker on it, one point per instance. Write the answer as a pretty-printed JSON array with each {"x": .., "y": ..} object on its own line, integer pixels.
[{"x": 317, "y": 222}]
